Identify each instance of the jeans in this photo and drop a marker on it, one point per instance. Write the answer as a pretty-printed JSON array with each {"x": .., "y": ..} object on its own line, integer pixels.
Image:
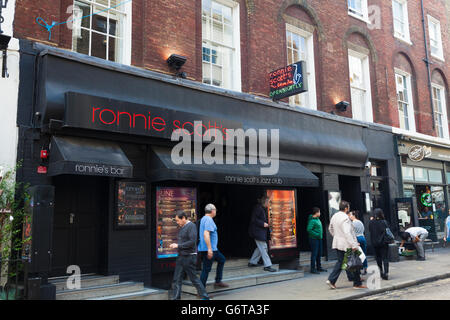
[
  {"x": 207, "y": 264},
  {"x": 187, "y": 264},
  {"x": 316, "y": 253},
  {"x": 381, "y": 255},
  {"x": 363, "y": 243},
  {"x": 356, "y": 278},
  {"x": 261, "y": 251}
]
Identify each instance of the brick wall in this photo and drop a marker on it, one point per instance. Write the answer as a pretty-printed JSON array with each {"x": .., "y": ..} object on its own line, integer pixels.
[{"x": 162, "y": 27}]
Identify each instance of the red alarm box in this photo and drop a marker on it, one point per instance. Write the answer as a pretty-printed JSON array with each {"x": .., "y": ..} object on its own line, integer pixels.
[{"x": 44, "y": 154}]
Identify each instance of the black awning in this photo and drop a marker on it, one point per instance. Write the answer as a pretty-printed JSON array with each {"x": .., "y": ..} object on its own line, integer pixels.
[
  {"x": 80, "y": 156},
  {"x": 290, "y": 173}
]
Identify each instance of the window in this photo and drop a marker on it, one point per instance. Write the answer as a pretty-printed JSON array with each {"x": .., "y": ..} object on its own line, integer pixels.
[
  {"x": 220, "y": 44},
  {"x": 358, "y": 9},
  {"x": 360, "y": 86},
  {"x": 435, "y": 176},
  {"x": 434, "y": 29},
  {"x": 420, "y": 174},
  {"x": 408, "y": 173},
  {"x": 440, "y": 111},
  {"x": 300, "y": 47},
  {"x": 404, "y": 101},
  {"x": 102, "y": 28},
  {"x": 401, "y": 24}
]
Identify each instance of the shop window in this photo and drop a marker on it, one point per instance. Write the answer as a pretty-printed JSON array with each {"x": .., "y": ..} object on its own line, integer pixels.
[
  {"x": 435, "y": 176},
  {"x": 300, "y": 47},
  {"x": 434, "y": 29},
  {"x": 360, "y": 86},
  {"x": 408, "y": 190},
  {"x": 220, "y": 44},
  {"x": 408, "y": 173},
  {"x": 400, "y": 15},
  {"x": 404, "y": 100},
  {"x": 440, "y": 111},
  {"x": 102, "y": 29},
  {"x": 421, "y": 175}
]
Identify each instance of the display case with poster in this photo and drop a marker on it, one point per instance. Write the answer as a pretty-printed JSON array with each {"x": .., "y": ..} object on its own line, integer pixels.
[
  {"x": 168, "y": 202},
  {"x": 282, "y": 219},
  {"x": 131, "y": 209},
  {"x": 405, "y": 213}
]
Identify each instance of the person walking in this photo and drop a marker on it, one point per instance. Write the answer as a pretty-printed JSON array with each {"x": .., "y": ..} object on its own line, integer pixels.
[
  {"x": 187, "y": 257},
  {"x": 258, "y": 230},
  {"x": 417, "y": 235},
  {"x": 377, "y": 228},
  {"x": 341, "y": 228},
  {"x": 358, "y": 226},
  {"x": 315, "y": 235},
  {"x": 208, "y": 248}
]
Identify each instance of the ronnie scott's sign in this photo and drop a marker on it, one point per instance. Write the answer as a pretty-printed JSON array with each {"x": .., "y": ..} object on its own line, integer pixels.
[
  {"x": 104, "y": 114},
  {"x": 418, "y": 153},
  {"x": 288, "y": 81}
]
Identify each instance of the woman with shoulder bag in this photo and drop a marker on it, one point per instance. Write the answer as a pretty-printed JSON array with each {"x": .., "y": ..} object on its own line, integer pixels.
[{"x": 380, "y": 241}]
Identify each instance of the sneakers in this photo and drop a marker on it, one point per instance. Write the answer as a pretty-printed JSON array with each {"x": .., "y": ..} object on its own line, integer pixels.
[
  {"x": 384, "y": 277},
  {"x": 270, "y": 269},
  {"x": 332, "y": 286},
  {"x": 360, "y": 287},
  {"x": 220, "y": 285}
]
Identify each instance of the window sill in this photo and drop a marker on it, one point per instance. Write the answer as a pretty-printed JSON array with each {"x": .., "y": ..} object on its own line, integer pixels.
[
  {"x": 407, "y": 41},
  {"x": 363, "y": 19},
  {"x": 438, "y": 58}
]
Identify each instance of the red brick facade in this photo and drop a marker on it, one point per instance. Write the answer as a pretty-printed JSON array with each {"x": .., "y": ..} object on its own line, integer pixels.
[{"x": 162, "y": 27}]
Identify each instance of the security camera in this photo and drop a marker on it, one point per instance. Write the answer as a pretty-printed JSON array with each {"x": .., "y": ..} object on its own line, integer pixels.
[{"x": 368, "y": 164}]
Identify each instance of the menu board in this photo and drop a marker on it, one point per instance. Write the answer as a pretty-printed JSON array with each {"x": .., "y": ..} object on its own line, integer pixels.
[
  {"x": 404, "y": 213},
  {"x": 282, "y": 219},
  {"x": 168, "y": 202},
  {"x": 131, "y": 204}
]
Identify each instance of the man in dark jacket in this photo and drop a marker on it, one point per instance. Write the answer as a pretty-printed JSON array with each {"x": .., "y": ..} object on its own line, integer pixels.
[
  {"x": 258, "y": 231},
  {"x": 187, "y": 257}
]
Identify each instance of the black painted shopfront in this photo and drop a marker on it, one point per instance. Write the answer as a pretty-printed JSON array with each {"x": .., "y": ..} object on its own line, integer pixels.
[{"x": 107, "y": 128}]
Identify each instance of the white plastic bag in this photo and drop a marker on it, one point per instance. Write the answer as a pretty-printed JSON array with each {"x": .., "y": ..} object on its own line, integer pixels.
[{"x": 362, "y": 256}]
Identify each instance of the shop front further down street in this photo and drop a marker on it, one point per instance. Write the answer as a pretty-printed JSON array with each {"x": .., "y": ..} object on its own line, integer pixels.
[{"x": 114, "y": 189}]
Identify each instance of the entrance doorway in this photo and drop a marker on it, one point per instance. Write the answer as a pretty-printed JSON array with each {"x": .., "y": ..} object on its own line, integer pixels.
[{"x": 79, "y": 224}]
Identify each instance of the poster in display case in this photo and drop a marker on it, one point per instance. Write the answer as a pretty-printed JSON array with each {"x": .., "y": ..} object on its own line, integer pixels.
[
  {"x": 168, "y": 202},
  {"x": 282, "y": 219},
  {"x": 131, "y": 211}
]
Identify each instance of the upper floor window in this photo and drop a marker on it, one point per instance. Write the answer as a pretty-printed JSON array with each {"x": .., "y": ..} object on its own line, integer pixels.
[
  {"x": 361, "y": 97},
  {"x": 401, "y": 24},
  {"x": 440, "y": 111},
  {"x": 300, "y": 47},
  {"x": 358, "y": 9},
  {"x": 220, "y": 44},
  {"x": 102, "y": 28},
  {"x": 404, "y": 100},
  {"x": 434, "y": 29}
]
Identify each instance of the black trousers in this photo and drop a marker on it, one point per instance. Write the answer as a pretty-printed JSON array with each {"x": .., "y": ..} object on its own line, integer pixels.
[
  {"x": 381, "y": 255},
  {"x": 186, "y": 264},
  {"x": 354, "y": 276}
]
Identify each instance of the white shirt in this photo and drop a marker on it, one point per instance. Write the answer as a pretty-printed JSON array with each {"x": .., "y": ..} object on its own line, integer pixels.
[{"x": 416, "y": 231}]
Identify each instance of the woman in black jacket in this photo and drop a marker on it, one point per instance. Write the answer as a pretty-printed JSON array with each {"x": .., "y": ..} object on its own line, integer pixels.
[{"x": 377, "y": 228}]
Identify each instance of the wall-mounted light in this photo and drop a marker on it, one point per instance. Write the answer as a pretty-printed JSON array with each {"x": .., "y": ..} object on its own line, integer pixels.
[
  {"x": 4, "y": 41},
  {"x": 176, "y": 61},
  {"x": 3, "y": 4},
  {"x": 342, "y": 106}
]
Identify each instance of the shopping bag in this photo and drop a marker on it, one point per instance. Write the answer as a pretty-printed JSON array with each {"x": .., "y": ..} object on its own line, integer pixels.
[{"x": 362, "y": 256}]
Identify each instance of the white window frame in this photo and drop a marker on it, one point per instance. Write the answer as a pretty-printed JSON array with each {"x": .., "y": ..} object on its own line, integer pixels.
[
  {"x": 432, "y": 20},
  {"x": 444, "y": 110},
  {"x": 411, "y": 115},
  {"x": 364, "y": 15},
  {"x": 127, "y": 26},
  {"x": 310, "y": 96},
  {"x": 236, "y": 74},
  {"x": 404, "y": 19},
  {"x": 367, "y": 113}
]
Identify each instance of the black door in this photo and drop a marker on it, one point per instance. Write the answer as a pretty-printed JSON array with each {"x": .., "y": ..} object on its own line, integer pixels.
[{"x": 79, "y": 237}]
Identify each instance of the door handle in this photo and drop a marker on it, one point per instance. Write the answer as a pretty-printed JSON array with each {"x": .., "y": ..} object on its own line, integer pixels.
[{"x": 71, "y": 216}]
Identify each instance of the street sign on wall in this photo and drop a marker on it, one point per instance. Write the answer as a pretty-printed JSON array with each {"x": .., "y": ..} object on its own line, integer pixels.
[{"x": 288, "y": 81}]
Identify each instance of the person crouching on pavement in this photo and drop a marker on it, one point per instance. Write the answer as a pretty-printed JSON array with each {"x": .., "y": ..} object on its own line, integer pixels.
[
  {"x": 417, "y": 235},
  {"x": 187, "y": 257},
  {"x": 315, "y": 235},
  {"x": 258, "y": 230}
]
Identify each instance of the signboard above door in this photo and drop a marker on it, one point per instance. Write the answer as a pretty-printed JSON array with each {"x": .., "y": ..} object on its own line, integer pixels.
[{"x": 288, "y": 81}]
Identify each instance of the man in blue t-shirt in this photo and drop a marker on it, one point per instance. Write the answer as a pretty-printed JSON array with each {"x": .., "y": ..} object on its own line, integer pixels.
[{"x": 207, "y": 247}]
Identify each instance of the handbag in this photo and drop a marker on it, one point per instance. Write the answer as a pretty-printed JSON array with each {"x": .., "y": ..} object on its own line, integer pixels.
[
  {"x": 354, "y": 263},
  {"x": 388, "y": 236}
]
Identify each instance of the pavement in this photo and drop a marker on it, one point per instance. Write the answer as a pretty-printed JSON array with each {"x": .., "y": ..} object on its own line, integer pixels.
[{"x": 402, "y": 274}]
